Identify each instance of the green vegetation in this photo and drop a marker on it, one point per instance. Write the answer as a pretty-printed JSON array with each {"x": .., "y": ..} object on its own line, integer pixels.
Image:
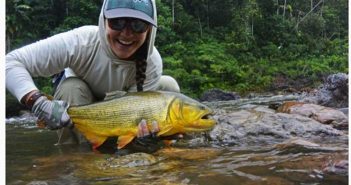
[{"x": 236, "y": 45}]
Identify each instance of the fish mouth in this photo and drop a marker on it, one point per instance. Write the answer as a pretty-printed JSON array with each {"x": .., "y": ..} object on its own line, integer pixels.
[
  {"x": 205, "y": 122},
  {"x": 207, "y": 116}
]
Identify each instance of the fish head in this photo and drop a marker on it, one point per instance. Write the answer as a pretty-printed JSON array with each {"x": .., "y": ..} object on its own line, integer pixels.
[{"x": 191, "y": 115}]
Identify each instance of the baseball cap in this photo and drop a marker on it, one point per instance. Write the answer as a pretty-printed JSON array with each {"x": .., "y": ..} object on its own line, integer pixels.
[{"x": 140, "y": 9}]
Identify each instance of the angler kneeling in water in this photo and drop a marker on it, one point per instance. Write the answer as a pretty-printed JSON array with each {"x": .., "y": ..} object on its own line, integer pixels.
[{"x": 89, "y": 61}]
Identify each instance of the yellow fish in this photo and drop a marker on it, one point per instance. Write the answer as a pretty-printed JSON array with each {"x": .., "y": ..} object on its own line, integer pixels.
[{"x": 174, "y": 112}]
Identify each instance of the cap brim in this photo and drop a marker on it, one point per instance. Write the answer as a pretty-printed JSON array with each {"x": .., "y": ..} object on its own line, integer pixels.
[{"x": 125, "y": 12}]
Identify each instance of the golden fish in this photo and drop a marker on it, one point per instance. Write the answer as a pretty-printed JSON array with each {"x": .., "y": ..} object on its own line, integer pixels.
[{"x": 175, "y": 113}]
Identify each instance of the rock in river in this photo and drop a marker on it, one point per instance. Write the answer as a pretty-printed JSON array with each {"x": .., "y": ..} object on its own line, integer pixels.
[
  {"x": 325, "y": 115},
  {"x": 245, "y": 124},
  {"x": 333, "y": 93}
]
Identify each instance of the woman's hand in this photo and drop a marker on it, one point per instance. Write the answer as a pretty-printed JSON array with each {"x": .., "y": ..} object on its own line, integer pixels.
[
  {"x": 53, "y": 113},
  {"x": 147, "y": 140}
]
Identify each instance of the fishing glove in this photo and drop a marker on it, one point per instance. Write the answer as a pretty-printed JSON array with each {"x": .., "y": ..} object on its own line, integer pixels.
[{"x": 52, "y": 113}]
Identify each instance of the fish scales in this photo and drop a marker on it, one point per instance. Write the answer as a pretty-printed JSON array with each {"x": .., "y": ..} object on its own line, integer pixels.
[
  {"x": 174, "y": 113},
  {"x": 126, "y": 111}
]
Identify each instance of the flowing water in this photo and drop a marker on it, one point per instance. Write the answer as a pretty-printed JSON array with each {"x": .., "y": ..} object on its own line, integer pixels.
[{"x": 32, "y": 158}]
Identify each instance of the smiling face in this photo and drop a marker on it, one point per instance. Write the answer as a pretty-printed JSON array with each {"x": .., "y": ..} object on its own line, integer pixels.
[{"x": 125, "y": 43}]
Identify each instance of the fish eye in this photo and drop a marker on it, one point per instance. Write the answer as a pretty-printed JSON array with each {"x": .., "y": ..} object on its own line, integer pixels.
[{"x": 202, "y": 107}]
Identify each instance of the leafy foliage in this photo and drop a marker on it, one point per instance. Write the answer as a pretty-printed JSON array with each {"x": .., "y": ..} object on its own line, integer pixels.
[{"x": 233, "y": 45}]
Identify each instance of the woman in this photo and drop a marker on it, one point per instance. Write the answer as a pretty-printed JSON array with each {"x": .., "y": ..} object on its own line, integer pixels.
[{"x": 118, "y": 54}]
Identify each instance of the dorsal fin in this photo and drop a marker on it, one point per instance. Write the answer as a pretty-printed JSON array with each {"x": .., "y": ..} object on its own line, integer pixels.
[{"x": 114, "y": 94}]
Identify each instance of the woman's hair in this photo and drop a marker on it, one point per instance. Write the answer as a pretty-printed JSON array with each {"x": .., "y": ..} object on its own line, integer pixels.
[
  {"x": 140, "y": 73},
  {"x": 141, "y": 64}
]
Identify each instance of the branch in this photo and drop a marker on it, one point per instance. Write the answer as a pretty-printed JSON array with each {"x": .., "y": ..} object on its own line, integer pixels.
[{"x": 297, "y": 24}]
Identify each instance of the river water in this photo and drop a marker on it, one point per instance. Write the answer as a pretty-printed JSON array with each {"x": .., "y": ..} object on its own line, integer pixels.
[{"x": 32, "y": 158}]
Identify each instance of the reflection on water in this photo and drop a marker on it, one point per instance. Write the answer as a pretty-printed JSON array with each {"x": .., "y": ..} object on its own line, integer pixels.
[{"x": 32, "y": 158}]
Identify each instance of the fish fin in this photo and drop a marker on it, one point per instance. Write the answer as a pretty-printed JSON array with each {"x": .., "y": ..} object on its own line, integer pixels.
[
  {"x": 167, "y": 143},
  {"x": 165, "y": 131},
  {"x": 114, "y": 94},
  {"x": 124, "y": 140},
  {"x": 95, "y": 140}
]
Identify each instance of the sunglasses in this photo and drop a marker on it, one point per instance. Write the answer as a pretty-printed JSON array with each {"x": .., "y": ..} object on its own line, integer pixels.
[{"x": 136, "y": 25}]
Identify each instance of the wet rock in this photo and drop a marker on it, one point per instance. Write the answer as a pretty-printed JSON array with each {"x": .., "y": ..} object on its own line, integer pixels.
[
  {"x": 218, "y": 95},
  {"x": 338, "y": 82},
  {"x": 333, "y": 93},
  {"x": 345, "y": 111},
  {"x": 261, "y": 125},
  {"x": 325, "y": 115},
  {"x": 298, "y": 145},
  {"x": 296, "y": 142},
  {"x": 339, "y": 167},
  {"x": 131, "y": 160},
  {"x": 253, "y": 101}
]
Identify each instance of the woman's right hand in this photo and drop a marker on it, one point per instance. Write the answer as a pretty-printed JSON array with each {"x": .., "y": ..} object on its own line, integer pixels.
[{"x": 53, "y": 113}]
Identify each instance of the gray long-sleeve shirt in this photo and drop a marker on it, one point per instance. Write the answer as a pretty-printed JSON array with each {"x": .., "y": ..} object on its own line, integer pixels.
[{"x": 87, "y": 53}]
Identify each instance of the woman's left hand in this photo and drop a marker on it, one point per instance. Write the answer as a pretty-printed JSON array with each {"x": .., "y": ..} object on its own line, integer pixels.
[
  {"x": 147, "y": 140},
  {"x": 143, "y": 131}
]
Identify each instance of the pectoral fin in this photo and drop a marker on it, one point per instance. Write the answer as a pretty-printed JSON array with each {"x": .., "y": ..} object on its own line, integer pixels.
[
  {"x": 95, "y": 140},
  {"x": 124, "y": 140},
  {"x": 165, "y": 131},
  {"x": 167, "y": 143}
]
